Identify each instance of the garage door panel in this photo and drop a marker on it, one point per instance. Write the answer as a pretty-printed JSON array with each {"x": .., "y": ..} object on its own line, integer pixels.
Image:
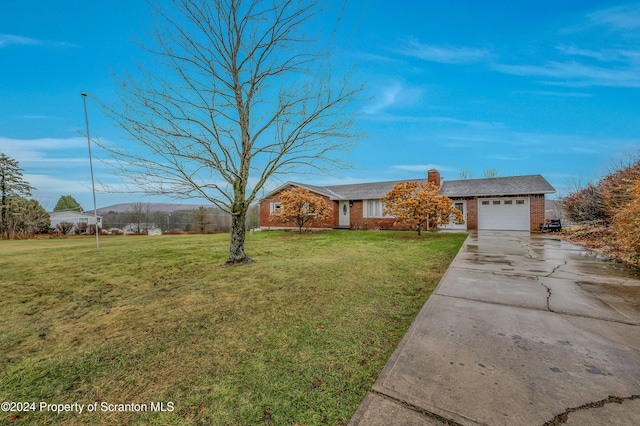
[{"x": 504, "y": 213}]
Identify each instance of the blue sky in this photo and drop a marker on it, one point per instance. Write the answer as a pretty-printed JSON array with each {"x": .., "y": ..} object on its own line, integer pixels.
[{"x": 547, "y": 87}]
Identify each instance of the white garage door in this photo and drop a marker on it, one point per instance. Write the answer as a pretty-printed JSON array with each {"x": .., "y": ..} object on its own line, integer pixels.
[{"x": 504, "y": 213}]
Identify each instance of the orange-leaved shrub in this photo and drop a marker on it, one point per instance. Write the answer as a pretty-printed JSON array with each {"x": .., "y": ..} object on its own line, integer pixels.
[
  {"x": 418, "y": 204},
  {"x": 617, "y": 188},
  {"x": 626, "y": 221},
  {"x": 600, "y": 203},
  {"x": 301, "y": 207}
]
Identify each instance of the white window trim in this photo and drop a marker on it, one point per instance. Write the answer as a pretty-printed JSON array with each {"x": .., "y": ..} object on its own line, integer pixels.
[{"x": 273, "y": 206}]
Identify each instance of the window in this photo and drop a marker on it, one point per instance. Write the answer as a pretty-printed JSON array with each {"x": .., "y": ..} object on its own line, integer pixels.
[
  {"x": 485, "y": 203},
  {"x": 496, "y": 202},
  {"x": 308, "y": 210},
  {"x": 373, "y": 208},
  {"x": 509, "y": 202},
  {"x": 519, "y": 201},
  {"x": 459, "y": 206},
  {"x": 274, "y": 207},
  {"x": 83, "y": 220}
]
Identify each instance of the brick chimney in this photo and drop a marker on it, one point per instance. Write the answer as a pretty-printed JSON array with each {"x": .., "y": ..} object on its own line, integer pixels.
[{"x": 433, "y": 176}]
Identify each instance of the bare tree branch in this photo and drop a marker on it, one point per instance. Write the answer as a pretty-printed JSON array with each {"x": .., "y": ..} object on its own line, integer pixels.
[{"x": 237, "y": 96}]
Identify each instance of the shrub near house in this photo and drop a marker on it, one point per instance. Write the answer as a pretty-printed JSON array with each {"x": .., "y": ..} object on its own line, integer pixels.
[
  {"x": 300, "y": 207},
  {"x": 416, "y": 204},
  {"x": 610, "y": 210}
]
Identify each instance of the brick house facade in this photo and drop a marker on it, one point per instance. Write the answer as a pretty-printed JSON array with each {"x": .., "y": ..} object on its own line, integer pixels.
[{"x": 515, "y": 202}]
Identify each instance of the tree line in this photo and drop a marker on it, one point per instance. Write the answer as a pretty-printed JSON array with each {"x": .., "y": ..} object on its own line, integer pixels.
[
  {"x": 140, "y": 217},
  {"x": 22, "y": 216}
]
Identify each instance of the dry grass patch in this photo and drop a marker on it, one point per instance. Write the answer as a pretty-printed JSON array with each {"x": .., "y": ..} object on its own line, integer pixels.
[{"x": 297, "y": 336}]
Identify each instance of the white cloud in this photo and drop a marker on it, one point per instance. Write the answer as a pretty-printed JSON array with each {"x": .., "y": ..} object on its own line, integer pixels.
[
  {"x": 604, "y": 55},
  {"x": 502, "y": 157},
  {"x": 576, "y": 51},
  {"x": 394, "y": 94},
  {"x": 575, "y": 74},
  {"x": 46, "y": 153},
  {"x": 443, "y": 54},
  {"x": 423, "y": 168},
  {"x": 553, "y": 93},
  {"x": 42, "y": 143},
  {"x": 374, "y": 57},
  {"x": 16, "y": 40},
  {"x": 8, "y": 40},
  {"x": 625, "y": 17}
]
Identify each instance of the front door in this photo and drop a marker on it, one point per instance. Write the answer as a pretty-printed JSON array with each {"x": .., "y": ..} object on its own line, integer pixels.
[
  {"x": 345, "y": 220},
  {"x": 456, "y": 224}
]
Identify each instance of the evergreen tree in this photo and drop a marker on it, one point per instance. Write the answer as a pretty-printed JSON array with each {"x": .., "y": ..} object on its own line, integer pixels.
[
  {"x": 26, "y": 217},
  {"x": 11, "y": 184},
  {"x": 67, "y": 202}
]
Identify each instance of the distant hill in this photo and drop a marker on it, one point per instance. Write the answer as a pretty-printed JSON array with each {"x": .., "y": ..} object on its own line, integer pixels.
[{"x": 153, "y": 207}]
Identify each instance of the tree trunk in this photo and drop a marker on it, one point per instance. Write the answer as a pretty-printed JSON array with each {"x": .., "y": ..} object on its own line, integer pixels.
[
  {"x": 3, "y": 208},
  {"x": 236, "y": 249}
]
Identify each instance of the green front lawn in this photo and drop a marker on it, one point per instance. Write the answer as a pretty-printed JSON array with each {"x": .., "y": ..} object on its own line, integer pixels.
[{"x": 299, "y": 336}]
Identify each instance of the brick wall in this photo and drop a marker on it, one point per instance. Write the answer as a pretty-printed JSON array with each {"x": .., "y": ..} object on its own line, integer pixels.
[
  {"x": 472, "y": 213},
  {"x": 536, "y": 204},
  {"x": 265, "y": 212},
  {"x": 359, "y": 222}
]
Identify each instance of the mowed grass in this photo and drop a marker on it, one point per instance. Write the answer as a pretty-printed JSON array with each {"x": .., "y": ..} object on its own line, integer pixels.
[{"x": 299, "y": 336}]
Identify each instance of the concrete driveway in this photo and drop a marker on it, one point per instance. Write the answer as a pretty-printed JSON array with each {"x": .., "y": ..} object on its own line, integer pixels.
[{"x": 523, "y": 329}]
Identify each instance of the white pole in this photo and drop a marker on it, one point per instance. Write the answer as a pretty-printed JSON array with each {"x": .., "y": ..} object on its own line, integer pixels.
[{"x": 93, "y": 186}]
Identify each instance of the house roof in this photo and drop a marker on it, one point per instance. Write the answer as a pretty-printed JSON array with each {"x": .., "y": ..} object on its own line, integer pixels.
[
  {"x": 71, "y": 213},
  {"x": 366, "y": 191},
  {"x": 511, "y": 185},
  {"x": 499, "y": 186}
]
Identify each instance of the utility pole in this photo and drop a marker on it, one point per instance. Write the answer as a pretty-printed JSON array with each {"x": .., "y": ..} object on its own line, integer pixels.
[{"x": 93, "y": 186}]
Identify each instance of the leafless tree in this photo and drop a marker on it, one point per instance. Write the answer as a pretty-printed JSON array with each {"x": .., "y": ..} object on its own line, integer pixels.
[
  {"x": 465, "y": 174},
  {"x": 239, "y": 95},
  {"x": 139, "y": 216},
  {"x": 490, "y": 172}
]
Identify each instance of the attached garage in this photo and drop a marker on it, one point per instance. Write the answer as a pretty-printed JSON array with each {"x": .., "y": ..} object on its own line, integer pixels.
[{"x": 504, "y": 213}]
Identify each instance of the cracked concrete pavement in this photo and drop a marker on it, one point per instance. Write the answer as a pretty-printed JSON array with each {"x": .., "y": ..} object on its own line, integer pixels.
[{"x": 523, "y": 329}]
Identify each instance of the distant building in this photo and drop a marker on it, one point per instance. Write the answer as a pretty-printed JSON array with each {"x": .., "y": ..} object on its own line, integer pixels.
[
  {"x": 74, "y": 217},
  {"x": 154, "y": 231},
  {"x": 136, "y": 228}
]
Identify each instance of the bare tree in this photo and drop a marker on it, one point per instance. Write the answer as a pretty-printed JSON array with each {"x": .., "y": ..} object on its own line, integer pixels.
[
  {"x": 139, "y": 216},
  {"x": 238, "y": 94},
  {"x": 465, "y": 174},
  {"x": 490, "y": 172}
]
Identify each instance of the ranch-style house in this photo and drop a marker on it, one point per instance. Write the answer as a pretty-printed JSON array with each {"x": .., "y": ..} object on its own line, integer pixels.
[{"x": 500, "y": 203}]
